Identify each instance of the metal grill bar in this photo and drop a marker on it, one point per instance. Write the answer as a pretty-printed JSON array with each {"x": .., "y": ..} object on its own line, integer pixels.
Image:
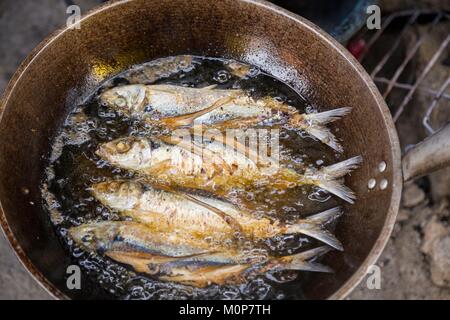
[
  {"x": 377, "y": 35},
  {"x": 408, "y": 58},
  {"x": 426, "y": 119},
  {"x": 409, "y": 20},
  {"x": 386, "y": 22},
  {"x": 421, "y": 77},
  {"x": 386, "y": 57},
  {"x": 408, "y": 87}
]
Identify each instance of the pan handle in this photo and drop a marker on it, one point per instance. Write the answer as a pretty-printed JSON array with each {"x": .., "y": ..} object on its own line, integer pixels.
[{"x": 429, "y": 155}]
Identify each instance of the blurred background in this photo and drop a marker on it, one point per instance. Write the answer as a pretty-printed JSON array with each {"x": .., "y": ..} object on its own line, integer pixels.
[{"x": 409, "y": 60}]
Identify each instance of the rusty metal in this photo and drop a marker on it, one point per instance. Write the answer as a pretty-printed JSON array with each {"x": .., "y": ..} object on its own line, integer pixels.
[
  {"x": 437, "y": 97},
  {"x": 412, "y": 18}
]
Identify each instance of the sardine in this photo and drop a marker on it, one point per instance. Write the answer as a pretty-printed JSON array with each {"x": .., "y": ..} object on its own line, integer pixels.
[
  {"x": 160, "y": 68},
  {"x": 216, "y": 168},
  {"x": 175, "y": 106},
  {"x": 198, "y": 216},
  {"x": 176, "y": 259}
]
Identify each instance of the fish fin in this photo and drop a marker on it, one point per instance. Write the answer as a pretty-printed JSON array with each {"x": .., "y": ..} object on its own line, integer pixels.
[
  {"x": 164, "y": 89},
  {"x": 326, "y": 178},
  {"x": 239, "y": 123},
  {"x": 301, "y": 261},
  {"x": 324, "y": 135},
  {"x": 326, "y": 117},
  {"x": 188, "y": 119},
  {"x": 138, "y": 260},
  {"x": 205, "y": 154},
  {"x": 232, "y": 222},
  {"x": 339, "y": 189},
  {"x": 141, "y": 261},
  {"x": 236, "y": 145},
  {"x": 313, "y": 227},
  {"x": 158, "y": 167},
  {"x": 323, "y": 235},
  {"x": 326, "y": 216},
  {"x": 314, "y": 125},
  {"x": 211, "y": 87},
  {"x": 340, "y": 169},
  {"x": 206, "y": 276}
]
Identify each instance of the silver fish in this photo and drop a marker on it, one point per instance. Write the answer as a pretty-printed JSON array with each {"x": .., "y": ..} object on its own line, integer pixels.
[
  {"x": 175, "y": 106},
  {"x": 216, "y": 168},
  {"x": 178, "y": 259},
  {"x": 201, "y": 217}
]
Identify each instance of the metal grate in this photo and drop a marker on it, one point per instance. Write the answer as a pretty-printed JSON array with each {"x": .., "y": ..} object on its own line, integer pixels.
[{"x": 405, "y": 23}]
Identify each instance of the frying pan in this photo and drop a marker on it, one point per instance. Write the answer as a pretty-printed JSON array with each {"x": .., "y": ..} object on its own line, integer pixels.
[{"x": 67, "y": 66}]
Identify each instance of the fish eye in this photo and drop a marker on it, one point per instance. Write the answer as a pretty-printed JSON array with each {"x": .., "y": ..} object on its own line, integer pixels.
[
  {"x": 113, "y": 186},
  {"x": 101, "y": 248},
  {"x": 88, "y": 238},
  {"x": 124, "y": 187},
  {"x": 148, "y": 108},
  {"x": 154, "y": 144},
  {"x": 153, "y": 269},
  {"x": 123, "y": 146},
  {"x": 118, "y": 238},
  {"x": 120, "y": 102}
]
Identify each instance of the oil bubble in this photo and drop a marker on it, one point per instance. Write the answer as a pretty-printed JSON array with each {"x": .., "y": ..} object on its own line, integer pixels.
[{"x": 222, "y": 76}]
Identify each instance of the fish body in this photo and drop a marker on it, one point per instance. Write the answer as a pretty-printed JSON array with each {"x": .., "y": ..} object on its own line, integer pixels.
[
  {"x": 171, "y": 212},
  {"x": 130, "y": 236},
  {"x": 183, "y": 262},
  {"x": 161, "y": 101},
  {"x": 217, "y": 168},
  {"x": 166, "y": 104},
  {"x": 179, "y": 166},
  {"x": 160, "y": 68}
]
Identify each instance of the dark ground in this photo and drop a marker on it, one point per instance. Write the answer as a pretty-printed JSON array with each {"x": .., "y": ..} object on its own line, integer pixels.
[{"x": 415, "y": 264}]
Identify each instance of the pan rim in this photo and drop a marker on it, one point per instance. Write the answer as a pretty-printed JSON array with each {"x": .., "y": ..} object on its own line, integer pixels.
[{"x": 397, "y": 182}]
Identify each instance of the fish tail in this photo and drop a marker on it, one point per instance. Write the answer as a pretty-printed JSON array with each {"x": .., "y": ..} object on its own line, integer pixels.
[
  {"x": 314, "y": 125},
  {"x": 314, "y": 227},
  {"x": 326, "y": 117},
  {"x": 303, "y": 261},
  {"x": 327, "y": 178}
]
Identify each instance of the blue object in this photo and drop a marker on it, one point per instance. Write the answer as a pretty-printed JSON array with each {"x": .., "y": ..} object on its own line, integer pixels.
[{"x": 340, "y": 18}]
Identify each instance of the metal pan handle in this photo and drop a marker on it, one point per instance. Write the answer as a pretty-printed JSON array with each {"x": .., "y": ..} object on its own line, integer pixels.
[{"x": 429, "y": 155}]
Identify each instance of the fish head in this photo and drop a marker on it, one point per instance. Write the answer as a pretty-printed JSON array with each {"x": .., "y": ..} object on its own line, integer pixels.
[
  {"x": 129, "y": 153},
  {"x": 118, "y": 195},
  {"x": 95, "y": 237},
  {"x": 127, "y": 99}
]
